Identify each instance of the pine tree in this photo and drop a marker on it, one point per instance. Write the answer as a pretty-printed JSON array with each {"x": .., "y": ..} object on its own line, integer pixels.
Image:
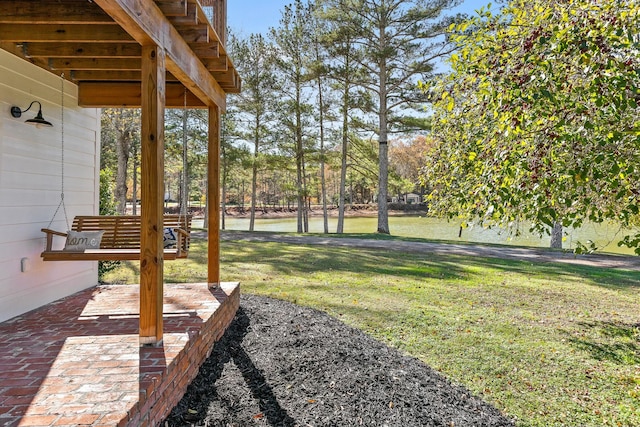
[{"x": 399, "y": 42}]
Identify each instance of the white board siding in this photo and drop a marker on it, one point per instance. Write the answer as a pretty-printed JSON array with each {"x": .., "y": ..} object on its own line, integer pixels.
[{"x": 30, "y": 184}]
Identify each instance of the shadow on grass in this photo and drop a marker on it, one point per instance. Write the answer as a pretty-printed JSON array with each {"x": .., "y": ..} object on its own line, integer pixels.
[
  {"x": 619, "y": 342},
  {"x": 299, "y": 259},
  {"x": 292, "y": 258}
]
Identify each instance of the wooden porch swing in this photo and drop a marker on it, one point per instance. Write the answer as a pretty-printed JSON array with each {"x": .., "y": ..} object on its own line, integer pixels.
[
  {"x": 111, "y": 237},
  {"x": 120, "y": 238}
]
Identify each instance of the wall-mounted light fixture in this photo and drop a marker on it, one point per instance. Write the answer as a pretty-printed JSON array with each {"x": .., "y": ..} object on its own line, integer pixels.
[{"x": 38, "y": 120}]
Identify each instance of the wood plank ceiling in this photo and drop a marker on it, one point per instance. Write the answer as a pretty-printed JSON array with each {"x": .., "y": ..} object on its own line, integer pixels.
[{"x": 78, "y": 39}]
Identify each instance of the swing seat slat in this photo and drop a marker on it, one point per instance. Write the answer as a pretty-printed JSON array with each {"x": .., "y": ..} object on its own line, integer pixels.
[{"x": 121, "y": 238}]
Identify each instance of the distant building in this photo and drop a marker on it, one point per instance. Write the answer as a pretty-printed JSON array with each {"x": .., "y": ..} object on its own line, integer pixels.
[{"x": 409, "y": 199}]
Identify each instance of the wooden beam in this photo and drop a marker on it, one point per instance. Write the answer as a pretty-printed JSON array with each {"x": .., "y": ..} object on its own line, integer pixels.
[
  {"x": 226, "y": 78},
  {"x": 194, "y": 33},
  {"x": 213, "y": 204},
  {"x": 115, "y": 76},
  {"x": 173, "y": 7},
  {"x": 152, "y": 186},
  {"x": 219, "y": 21},
  {"x": 217, "y": 64},
  {"x": 105, "y": 76},
  {"x": 121, "y": 94},
  {"x": 144, "y": 21},
  {"x": 208, "y": 50},
  {"x": 81, "y": 50},
  {"x": 53, "y": 12},
  {"x": 97, "y": 33},
  {"x": 220, "y": 18},
  {"x": 95, "y": 64},
  {"x": 191, "y": 18}
]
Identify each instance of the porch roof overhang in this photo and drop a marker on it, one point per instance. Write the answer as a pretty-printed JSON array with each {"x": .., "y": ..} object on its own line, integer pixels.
[{"x": 97, "y": 44}]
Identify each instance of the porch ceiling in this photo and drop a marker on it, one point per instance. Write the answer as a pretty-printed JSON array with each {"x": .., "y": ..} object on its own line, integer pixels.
[{"x": 97, "y": 45}]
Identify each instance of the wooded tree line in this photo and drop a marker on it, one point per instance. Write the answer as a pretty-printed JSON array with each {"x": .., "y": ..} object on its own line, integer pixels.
[
  {"x": 330, "y": 112},
  {"x": 536, "y": 122}
]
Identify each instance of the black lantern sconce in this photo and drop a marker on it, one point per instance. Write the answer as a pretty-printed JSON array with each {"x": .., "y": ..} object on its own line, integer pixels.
[{"x": 38, "y": 120}]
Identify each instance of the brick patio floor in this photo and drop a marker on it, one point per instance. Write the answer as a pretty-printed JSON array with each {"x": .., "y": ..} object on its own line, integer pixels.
[{"x": 77, "y": 361}]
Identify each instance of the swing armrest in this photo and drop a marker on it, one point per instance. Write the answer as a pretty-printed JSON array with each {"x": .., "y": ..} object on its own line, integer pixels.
[
  {"x": 50, "y": 233},
  {"x": 182, "y": 241}
]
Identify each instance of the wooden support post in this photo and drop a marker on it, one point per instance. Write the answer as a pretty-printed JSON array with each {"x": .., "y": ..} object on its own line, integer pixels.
[
  {"x": 213, "y": 205},
  {"x": 152, "y": 188},
  {"x": 219, "y": 17},
  {"x": 221, "y": 20}
]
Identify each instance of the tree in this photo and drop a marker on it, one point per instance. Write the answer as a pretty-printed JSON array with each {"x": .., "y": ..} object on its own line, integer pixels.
[
  {"x": 232, "y": 157},
  {"x": 538, "y": 120},
  {"x": 186, "y": 145},
  {"x": 256, "y": 104},
  {"x": 339, "y": 40},
  {"x": 107, "y": 206},
  {"x": 406, "y": 159},
  {"x": 320, "y": 72},
  {"x": 399, "y": 42},
  {"x": 363, "y": 161},
  {"x": 121, "y": 124},
  {"x": 293, "y": 39}
]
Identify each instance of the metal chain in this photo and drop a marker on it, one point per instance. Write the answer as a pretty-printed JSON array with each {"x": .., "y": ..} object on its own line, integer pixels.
[{"x": 61, "y": 204}]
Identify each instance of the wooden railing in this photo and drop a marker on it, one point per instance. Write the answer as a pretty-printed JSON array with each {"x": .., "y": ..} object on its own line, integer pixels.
[{"x": 218, "y": 17}]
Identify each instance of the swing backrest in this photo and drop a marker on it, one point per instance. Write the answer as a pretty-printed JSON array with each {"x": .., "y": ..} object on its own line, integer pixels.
[{"x": 123, "y": 231}]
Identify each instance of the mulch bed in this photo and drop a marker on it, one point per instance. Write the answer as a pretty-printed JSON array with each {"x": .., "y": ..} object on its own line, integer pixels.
[{"x": 279, "y": 364}]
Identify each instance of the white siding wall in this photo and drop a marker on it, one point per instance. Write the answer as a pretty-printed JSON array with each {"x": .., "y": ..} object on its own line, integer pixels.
[{"x": 31, "y": 184}]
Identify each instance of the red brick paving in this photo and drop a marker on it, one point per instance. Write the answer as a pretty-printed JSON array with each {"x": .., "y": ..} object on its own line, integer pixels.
[{"x": 78, "y": 362}]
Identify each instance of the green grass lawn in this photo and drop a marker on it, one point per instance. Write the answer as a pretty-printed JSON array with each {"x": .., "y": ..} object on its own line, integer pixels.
[{"x": 547, "y": 344}]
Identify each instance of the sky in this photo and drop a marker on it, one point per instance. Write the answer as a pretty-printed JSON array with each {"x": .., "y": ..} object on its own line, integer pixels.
[{"x": 257, "y": 16}]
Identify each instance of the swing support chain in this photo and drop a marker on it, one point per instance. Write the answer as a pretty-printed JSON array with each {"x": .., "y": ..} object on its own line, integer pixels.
[{"x": 61, "y": 204}]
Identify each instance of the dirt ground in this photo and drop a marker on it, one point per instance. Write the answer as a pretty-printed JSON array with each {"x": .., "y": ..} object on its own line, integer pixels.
[{"x": 279, "y": 364}]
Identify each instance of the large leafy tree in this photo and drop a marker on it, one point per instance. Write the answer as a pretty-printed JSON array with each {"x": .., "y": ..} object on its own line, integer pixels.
[{"x": 539, "y": 119}]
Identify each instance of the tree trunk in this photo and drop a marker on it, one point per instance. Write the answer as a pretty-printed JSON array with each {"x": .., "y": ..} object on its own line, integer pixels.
[
  {"x": 556, "y": 236},
  {"x": 383, "y": 210},
  {"x": 299, "y": 163},
  {"x": 254, "y": 175},
  {"x": 224, "y": 188},
  {"x": 323, "y": 184},
  {"x": 305, "y": 199},
  {"x": 345, "y": 147},
  {"x": 343, "y": 173},
  {"x": 254, "y": 189},
  {"x": 206, "y": 211},
  {"x": 122, "y": 152},
  {"x": 134, "y": 209},
  {"x": 383, "y": 170},
  {"x": 184, "y": 187},
  {"x": 242, "y": 198}
]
